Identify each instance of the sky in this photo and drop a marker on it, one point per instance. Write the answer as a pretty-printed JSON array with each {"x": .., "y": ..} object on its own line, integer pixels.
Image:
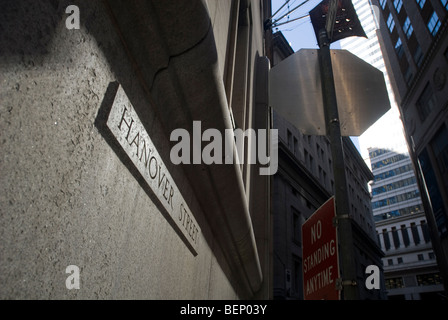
[{"x": 299, "y": 33}]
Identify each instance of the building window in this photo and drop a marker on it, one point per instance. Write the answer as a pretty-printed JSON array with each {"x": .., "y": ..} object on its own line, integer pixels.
[
  {"x": 426, "y": 103},
  {"x": 297, "y": 226},
  {"x": 377, "y": 153},
  {"x": 398, "y": 4},
  {"x": 409, "y": 75},
  {"x": 386, "y": 239},
  {"x": 415, "y": 234},
  {"x": 390, "y": 23},
  {"x": 431, "y": 255},
  {"x": 445, "y": 4},
  {"x": 399, "y": 48},
  {"x": 289, "y": 138},
  {"x": 400, "y": 212},
  {"x": 295, "y": 193},
  {"x": 400, "y": 260},
  {"x": 395, "y": 199},
  {"x": 434, "y": 24},
  {"x": 383, "y": 4},
  {"x": 389, "y": 161},
  {"x": 405, "y": 234},
  {"x": 429, "y": 279},
  {"x": 394, "y": 283},
  {"x": 407, "y": 28},
  {"x": 296, "y": 147},
  {"x": 395, "y": 238},
  {"x": 418, "y": 55},
  {"x": 390, "y": 262},
  {"x": 394, "y": 185},
  {"x": 297, "y": 279},
  {"x": 421, "y": 3},
  {"x": 392, "y": 173},
  {"x": 440, "y": 148},
  {"x": 420, "y": 257}
]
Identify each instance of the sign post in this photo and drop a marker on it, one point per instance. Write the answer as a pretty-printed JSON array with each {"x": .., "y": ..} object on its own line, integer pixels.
[
  {"x": 320, "y": 254},
  {"x": 348, "y": 264}
]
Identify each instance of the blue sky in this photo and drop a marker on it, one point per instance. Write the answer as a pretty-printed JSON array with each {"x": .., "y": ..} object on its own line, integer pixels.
[{"x": 299, "y": 33}]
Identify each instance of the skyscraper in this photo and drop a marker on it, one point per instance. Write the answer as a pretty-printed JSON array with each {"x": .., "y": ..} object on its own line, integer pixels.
[
  {"x": 396, "y": 202},
  {"x": 414, "y": 41}
]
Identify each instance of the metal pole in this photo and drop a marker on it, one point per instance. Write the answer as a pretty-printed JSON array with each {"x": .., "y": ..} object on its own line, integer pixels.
[{"x": 344, "y": 223}]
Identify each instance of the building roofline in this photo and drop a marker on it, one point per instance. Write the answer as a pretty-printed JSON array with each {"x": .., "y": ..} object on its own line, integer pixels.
[{"x": 279, "y": 41}]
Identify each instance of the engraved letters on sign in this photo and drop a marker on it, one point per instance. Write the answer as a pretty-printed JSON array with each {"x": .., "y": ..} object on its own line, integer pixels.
[{"x": 130, "y": 133}]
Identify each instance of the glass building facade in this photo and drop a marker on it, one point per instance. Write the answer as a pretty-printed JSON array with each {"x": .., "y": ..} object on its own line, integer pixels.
[{"x": 394, "y": 189}]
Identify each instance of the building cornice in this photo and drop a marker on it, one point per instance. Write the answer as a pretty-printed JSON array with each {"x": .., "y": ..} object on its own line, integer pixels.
[{"x": 400, "y": 219}]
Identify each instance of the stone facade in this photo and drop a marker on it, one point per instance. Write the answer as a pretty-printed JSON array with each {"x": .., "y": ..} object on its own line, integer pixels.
[{"x": 70, "y": 195}]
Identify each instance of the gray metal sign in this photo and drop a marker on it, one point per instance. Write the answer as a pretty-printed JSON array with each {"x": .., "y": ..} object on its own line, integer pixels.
[{"x": 295, "y": 91}]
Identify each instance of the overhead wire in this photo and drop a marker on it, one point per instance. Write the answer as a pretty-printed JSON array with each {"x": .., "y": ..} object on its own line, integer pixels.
[
  {"x": 275, "y": 22},
  {"x": 289, "y": 21},
  {"x": 291, "y": 28},
  {"x": 270, "y": 18}
]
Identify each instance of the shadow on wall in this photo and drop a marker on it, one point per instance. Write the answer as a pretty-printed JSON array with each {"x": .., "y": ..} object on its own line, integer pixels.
[
  {"x": 27, "y": 32},
  {"x": 27, "y": 27}
]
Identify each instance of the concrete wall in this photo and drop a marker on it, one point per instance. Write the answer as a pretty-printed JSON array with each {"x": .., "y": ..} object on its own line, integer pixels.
[{"x": 66, "y": 198}]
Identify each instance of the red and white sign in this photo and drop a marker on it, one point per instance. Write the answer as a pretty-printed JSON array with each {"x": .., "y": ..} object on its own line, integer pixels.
[{"x": 320, "y": 254}]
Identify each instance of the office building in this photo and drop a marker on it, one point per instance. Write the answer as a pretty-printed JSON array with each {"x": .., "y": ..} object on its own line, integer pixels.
[
  {"x": 414, "y": 42},
  {"x": 410, "y": 268},
  {"x": 394, "y": 190}
]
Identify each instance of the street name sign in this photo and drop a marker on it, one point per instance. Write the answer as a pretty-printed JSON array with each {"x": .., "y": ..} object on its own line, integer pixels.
[{"x": 130, "y": 133}]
